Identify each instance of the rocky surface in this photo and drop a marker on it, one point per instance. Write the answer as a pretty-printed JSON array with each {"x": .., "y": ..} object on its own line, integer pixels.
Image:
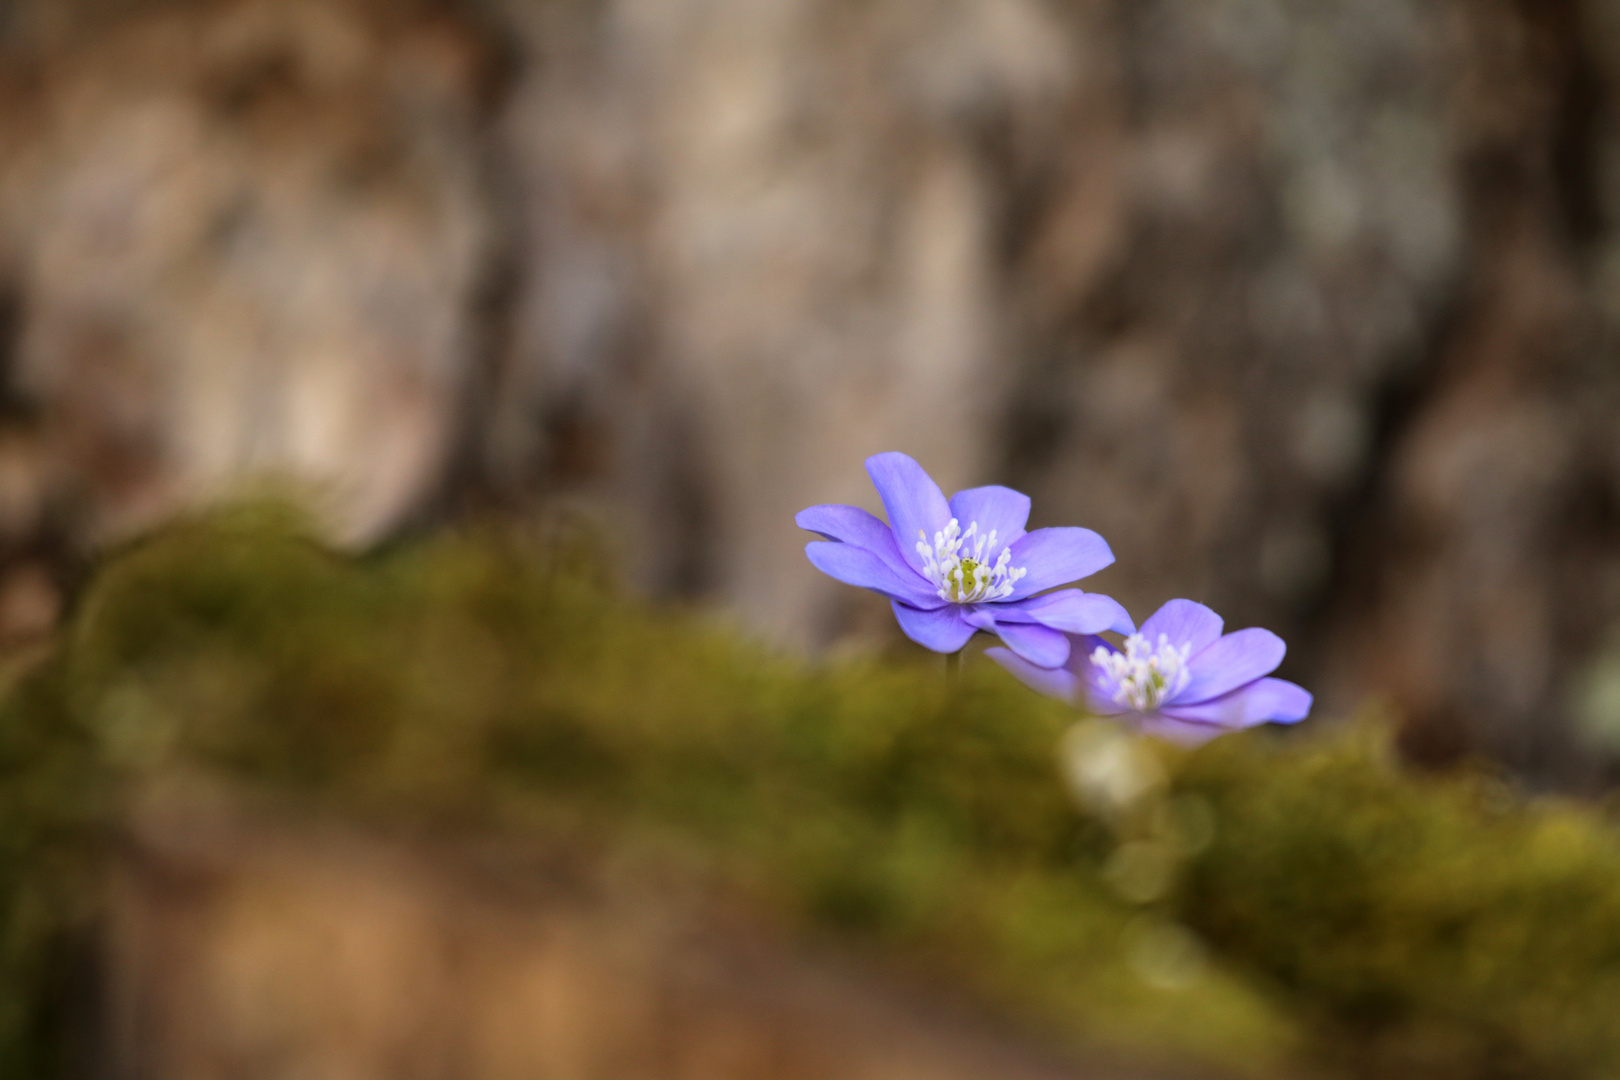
[{"x": 240, "y": 945}]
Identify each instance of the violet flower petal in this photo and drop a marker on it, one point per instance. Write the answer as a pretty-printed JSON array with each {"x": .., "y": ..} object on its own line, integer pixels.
[
  {"x": 1230, "y": 662},
  {"x": 1184, "y": 622},
  {"x": 1262, "y": 701},
  {"x": 1038, "y": 644},
  {"x": 1053, "y": 557},
  {"x": 852, "y": 525},
  {"x": 1182, "y": 732},
  {"x": 1099, "y": 688},
  {"x": 1030, "y": 640},
  {"x": 1069, "y": 610},
  {"x": 857, "y": 566},
  {"x": 942, "y": 629},
  {"x": 1059, "y": 683},
  {"x": 912, "y": 500},
  {"x": 979, "y": 617},
  {"x": 995, "y": 509}
]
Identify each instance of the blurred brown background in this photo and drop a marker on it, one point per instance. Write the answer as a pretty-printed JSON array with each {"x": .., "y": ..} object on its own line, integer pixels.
[{"x": 1306, "y": 305}]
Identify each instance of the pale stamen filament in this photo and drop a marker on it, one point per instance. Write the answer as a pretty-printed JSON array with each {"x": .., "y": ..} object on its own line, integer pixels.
[
  {"x": 961, "y": 573},
  {"x": 1145, "y": 675}
]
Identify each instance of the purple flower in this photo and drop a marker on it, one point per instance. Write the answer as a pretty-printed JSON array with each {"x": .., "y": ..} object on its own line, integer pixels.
[
  {"x": 1179, "y": 678},
  {"x": 951, "y": 568}
]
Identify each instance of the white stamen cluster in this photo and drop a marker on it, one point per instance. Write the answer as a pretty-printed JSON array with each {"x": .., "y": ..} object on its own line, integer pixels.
[
  {"x": 1146, "y": 675},
  {"x": 964, "y": 577}
]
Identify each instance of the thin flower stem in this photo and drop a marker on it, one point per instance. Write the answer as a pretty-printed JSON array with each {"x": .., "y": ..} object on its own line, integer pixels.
[{"x": 953, "y": 666}]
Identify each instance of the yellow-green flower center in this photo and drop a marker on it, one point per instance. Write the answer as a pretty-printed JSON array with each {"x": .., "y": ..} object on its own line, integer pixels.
[
  {"x": 968, "y": 578},
  {"x": 1145, "y": 675}
]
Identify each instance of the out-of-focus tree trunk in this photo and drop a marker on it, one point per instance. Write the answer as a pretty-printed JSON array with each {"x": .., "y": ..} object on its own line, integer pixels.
[
  {"x": 1303, "y": 305},
  {"x": 1347, "y": 378},
  {"x": 239, "y": 238},
  {"x": 1492, "y": 563}
]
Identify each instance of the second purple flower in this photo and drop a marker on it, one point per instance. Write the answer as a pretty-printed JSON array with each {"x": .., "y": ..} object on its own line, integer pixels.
[
  {"x": 1181, "y": 678},
  {"x": 953, "y": 567}
]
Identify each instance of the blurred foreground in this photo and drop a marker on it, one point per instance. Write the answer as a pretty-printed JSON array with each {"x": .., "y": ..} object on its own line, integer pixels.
[{"x": 463, "y": 809}]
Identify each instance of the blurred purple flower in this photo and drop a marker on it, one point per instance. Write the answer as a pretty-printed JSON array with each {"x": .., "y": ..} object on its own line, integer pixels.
[
  {"x": 945, "y": 581},
  {"x": 1179, "y": 678}
]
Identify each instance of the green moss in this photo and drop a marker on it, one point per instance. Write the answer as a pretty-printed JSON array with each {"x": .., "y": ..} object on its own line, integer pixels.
[
  {"x": 1436, "y": 928},
  {"x": 1266, "y": 898}
]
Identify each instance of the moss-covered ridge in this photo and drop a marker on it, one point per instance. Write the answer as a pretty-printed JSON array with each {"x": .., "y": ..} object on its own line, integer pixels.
[{"x": 1261, "y": 899}]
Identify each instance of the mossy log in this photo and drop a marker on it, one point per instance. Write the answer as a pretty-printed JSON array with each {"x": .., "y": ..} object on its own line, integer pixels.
[{"x": 718, "y": 821}]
